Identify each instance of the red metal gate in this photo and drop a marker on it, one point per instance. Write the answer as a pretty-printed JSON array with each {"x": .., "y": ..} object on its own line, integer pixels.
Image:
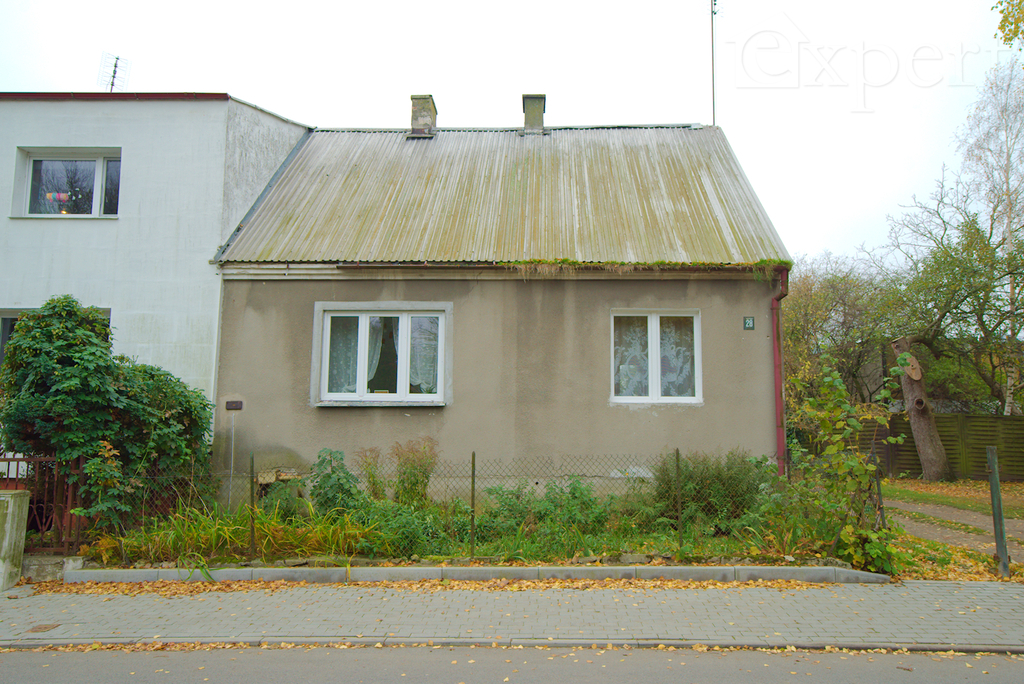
[{"x": 53, "y": 494}]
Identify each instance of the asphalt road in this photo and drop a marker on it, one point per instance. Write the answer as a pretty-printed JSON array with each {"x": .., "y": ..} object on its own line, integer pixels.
[{"x": 441, "y": 665}]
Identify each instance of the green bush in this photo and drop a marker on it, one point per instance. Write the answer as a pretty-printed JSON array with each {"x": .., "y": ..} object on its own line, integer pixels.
[
  {"x": 63, "y": 394},
  {"x": 331, "y": 485},
  {"x": 519, "y": 510},
  {"x": 832, "y": 509},
  {"x": 715, "y": 493},
  {"x": 282, "y": 497},
  {"x": 398, "y": 530}
]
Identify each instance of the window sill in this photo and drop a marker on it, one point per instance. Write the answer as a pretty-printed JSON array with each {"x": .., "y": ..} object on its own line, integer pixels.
[
  {"x": 380, "y": 404},
  {"x": 75, "y": 217},
  {"x": 660, "y": 402}
]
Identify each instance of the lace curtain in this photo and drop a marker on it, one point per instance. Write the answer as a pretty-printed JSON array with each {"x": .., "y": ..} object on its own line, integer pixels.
[
  {"x": 677, "y": 367},
  {"x": 423, "y": 355},
  {"x": 631, "y": 376},
  {"x": 344, "y": 354},
  {"x": 632, "y": 356}
]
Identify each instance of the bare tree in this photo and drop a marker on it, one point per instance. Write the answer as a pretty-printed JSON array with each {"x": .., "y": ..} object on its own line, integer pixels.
[
  {"x": 992, "y": 144},
  {"x": 953, "y": 263}
]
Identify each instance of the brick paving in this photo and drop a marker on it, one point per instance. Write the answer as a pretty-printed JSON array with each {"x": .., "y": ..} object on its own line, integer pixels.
[{"x": 968, "y": 616}]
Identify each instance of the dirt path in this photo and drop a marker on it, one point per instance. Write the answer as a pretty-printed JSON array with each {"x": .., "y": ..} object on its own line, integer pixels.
[{"x": 983, "y": 543}]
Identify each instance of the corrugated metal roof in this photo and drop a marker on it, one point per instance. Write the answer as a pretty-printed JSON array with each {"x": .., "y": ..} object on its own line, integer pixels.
[{"x": 634, "y": 195}]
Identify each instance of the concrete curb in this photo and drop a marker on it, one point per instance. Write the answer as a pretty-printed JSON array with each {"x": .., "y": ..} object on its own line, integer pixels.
[
  {"x": 526, "y": 643},
  {"x": 739, "y": 573}
]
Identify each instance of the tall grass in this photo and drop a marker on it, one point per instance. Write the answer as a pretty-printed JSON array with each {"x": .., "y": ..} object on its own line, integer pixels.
[{"x": 218, "y": 535}]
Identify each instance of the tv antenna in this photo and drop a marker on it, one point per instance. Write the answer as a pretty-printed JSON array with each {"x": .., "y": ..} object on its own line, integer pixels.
[{"x": 113, "y": 73}]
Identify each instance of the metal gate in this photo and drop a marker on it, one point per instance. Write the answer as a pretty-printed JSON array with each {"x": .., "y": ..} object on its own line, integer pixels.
[{"x": 53, "y": 494}]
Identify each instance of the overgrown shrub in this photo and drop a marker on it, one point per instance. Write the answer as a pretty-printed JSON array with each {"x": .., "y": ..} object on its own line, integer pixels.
[
  {"x": 331, "y": 485},
  {"x": 571, "y": 505},
  {"x": 282, "y": 497},
  {"x": 714, "y": 492},
  {"x": 832, "y": 509},
  {"x": 399, "y": 530},
  {"x": 415, "y": 461},
  {"x": 371, "y": 467},
  {"x": 63, "y": 394}
]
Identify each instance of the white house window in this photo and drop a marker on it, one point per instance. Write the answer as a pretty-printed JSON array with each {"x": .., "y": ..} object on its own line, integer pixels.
[
  {"x": 74, "y": 182},
  {"x": 385, "y": 355},
  {"x": 656, "y": 357},
  {"x": 75, "y": 186}
]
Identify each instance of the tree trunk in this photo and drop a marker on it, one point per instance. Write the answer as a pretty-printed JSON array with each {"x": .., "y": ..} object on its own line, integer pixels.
[{"x": 934, "y": 464}]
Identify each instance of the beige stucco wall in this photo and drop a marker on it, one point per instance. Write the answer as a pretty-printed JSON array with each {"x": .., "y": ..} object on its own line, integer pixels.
[{"x": 531, "y": 371}]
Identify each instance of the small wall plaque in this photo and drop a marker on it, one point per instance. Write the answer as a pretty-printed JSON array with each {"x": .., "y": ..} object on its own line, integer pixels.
[
  {"x": 748, "y": 322},
  {"x": 233, "y": 406}
]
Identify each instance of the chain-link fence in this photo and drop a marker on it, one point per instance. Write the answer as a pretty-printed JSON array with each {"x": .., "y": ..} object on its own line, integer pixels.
[
  {"x": 571, "y": 505},
  {"x": 411, "y": 505}
]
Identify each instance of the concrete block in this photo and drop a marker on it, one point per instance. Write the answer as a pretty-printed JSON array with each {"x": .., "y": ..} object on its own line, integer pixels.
[
  {"x": 111, "y": 575},
  {"x": 634, "y": 558},
  {"x": 13, "y": 525},
  {"x": 591, "y": 572},
  {"x": 695, "y": 573},
  {"x": 42, "y": 568},
  {"x": 860, "y": 577},
  {"x": 749, "y": 573},
  {"x": 484, "y": 573},
  {"x": 74, "y": 563}
]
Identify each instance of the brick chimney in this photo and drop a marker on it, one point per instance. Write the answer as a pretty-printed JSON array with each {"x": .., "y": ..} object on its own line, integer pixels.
[
  {"x": 533, "y": 108},
  {"x": 424, "y": 116}
]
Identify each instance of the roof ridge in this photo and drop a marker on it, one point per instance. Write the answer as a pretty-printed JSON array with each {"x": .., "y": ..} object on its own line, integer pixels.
[{"x": 477, "y": 129}]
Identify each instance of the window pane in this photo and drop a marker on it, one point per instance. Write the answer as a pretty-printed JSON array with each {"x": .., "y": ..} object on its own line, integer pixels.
[
  {"x": 631, "y": 356},
  {"x": 677, "y": 369},
  {"x": 344, "y": 354},
  {"x": 62, "y": 187},
  {"x": 423, "y": 355},
  {"x": 382, "y": 364},
  {"x": 111, "y": 186}
]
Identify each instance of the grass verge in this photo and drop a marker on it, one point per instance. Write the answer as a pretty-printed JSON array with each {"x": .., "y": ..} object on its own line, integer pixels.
[
  {"x": 941, "y": 522},
  {"x": 943, "y": 562},
  {"x": 972, "y": 502}
]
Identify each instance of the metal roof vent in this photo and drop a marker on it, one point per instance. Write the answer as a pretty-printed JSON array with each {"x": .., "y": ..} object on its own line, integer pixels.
[
  {"x": 424, "y": 116},
  {"x": 533, "y": 108}
]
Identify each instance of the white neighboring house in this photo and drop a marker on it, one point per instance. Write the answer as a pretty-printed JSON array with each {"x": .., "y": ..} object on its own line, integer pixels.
[{"x": 121, "y": 200}]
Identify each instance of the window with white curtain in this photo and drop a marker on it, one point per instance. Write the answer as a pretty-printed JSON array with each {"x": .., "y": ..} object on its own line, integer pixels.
[
  {"x": 386, "y": 355},
  {"x": 656, "y": 357}
]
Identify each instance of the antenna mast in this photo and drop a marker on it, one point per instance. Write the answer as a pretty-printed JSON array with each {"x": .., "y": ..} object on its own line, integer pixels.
[
  {"x": 714, "y": 11},
  {"x": 113, "y": 72}
]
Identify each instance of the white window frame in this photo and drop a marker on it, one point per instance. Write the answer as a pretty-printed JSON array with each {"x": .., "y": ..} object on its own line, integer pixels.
[
  {"x": 23, "y": 178},
  {"x": 654, "y": 357},
  {"x": 323, "y": 311}
]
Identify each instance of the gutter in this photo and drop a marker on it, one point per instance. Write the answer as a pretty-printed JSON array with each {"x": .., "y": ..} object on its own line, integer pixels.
[{"x": 780, "y": 405}]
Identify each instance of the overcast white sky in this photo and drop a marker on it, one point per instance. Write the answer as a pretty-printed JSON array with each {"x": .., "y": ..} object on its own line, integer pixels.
[{"x": 839, "y": 112}]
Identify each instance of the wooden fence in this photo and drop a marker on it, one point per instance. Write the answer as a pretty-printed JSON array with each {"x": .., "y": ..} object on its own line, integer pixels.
[{"x": 964, "y": 438}]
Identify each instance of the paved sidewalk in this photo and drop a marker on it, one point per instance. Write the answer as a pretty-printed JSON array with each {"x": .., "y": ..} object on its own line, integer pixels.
[{"x": 971, "y": 616}]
